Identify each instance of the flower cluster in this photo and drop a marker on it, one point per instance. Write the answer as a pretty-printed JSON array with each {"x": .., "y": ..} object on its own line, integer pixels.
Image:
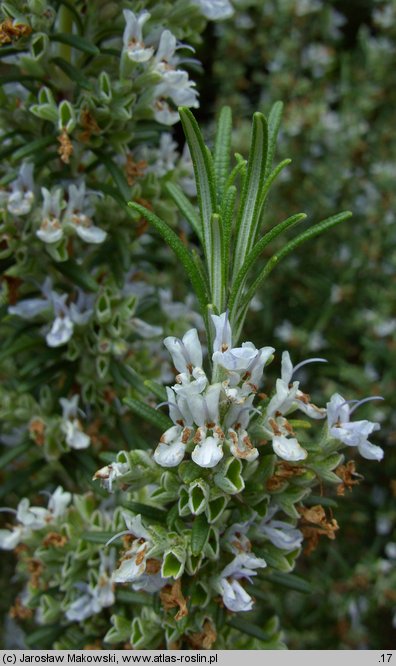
[
  {"x": 162, "y": 61},
  {"x": 212, "y": 418}
]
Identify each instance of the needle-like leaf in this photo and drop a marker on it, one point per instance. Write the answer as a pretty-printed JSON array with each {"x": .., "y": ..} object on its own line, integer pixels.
[
  {"x": 204, "y": 176},
  {"x": 274, "y": 120},
  {"x": 186, "y": 208},
  {"x": 222, "y": 149},
  {"x": 249, "y": 204},
  {"x": 255, "y": 253},
  {"x": 178, "y": 248}
]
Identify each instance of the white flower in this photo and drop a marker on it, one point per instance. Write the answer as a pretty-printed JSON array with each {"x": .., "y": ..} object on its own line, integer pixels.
[
  {"x": 235, "y": 598},
  {"x": 150, "y": 583},
  {"x": 187, "y": 352},
  {"x": 241, "y": 446},
  {"x": 61, "y": 332},
  {"x": 59, "y": 501},
  {"x": 71, "y": 426},
  {"x": 133, "y": 565},
  {"x": 75, "y": 438},
  {"x": 208, "y": 452},
  {"x": 21, "y": 199},
  {"x": 223, "y": 336},
  {"x": 111, "y": 473},
  {"x": 163, "y": 113},
  {"x": 244, "y": 565},
  {"x": 144, "y": 329},
  {"x": 78, "y": 216},
  {"x": 179, "y": 410},
  {"x": 81, "y": 310},
  {"x": 281, "y": 534},
  {"x": 66, "y": 317},
  {"x": 135, "y": 526},
  {"x": 205, "y": 407},
  {"x": 238, "y": 358},
  {"x": 352, "y": 433},
  {"x": 235, "y": 536},
  {"x": 238, "y": 414},
  {"x": 29, "y": 308},
  {"x": 32, "y": 518},
  {"x": 215, "y": 9},
  {"x": 190, "y": 384},
  {"x": 98, "y": 594},
  {"x": 244, "y": 362},
  {"x": 82, "y": 607},
  {"x": 175, "y": 84},
  {"x": 165, "y": 61},
  {"x": 288, "y": 448},
  {"x": 133, "y": 36},
  {"x": 171, "y": 449},
  {"x": 288, "y": 396},
  {"x": 51, "y": 229},
  {"x": 164, "y": 161},
  {"x": 9, "y": 539}
]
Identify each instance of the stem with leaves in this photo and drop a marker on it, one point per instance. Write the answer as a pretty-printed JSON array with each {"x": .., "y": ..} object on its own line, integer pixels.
[{"x": 228, "y": 223}]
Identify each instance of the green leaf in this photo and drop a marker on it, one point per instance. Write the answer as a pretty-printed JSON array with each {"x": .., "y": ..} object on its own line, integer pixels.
[
  {"x": 313, "y": 500},
  {"x": 76, "y": 14},
  {"x": 227, "y": 214},
  {"x": 76, "y": 42},
  {"x": 44, "y": 637},
  {"x": 199, "y": 534},
  {"x": 257, "y": 250},
  {"x": 32, "y": 148},
  {"x": 45, "y": 112},
  {"x": 247, "y": 627},
  {"x": 125, "y": 373},
  {"x": 274, "y": 121},
  {"x": 158, "y": 390},
  {"x": 238, "y": 168},
  {"x": 216, "y": 269},
  {"x": 72, "y": 73},
  {"x": 77, "y": 275},
  {"x": 222, "y": 149},
  {"x": 186, "y": 208},
  {"x": 147, "y": 511},
  {"x": 204, "y": 175},
  {"x": 22, "y": 343},
  {"x": 148, "y": 413},
  {"x": 267, "y": 185},
  {"x": 249, "y": 208},
  {"x": 202, "y": 272},
  {"x": 96, "y": 537},
  {"x": 131, "y": 597},
  {"x": 291, "y": 581},
  {"x": 314, "y": 231},
  {"x": 10, "y": 454},
  {"x": 116, "y": 174},
  {"x": 178, "y": 248}
]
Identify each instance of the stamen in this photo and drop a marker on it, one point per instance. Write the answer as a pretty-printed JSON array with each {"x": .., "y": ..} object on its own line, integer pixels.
[
  {"x": 167, "y": 402},
  {"x": 309, "y": 360},
  {"x": 369, "y": 399},
  {"x": 117, "y": 536}
]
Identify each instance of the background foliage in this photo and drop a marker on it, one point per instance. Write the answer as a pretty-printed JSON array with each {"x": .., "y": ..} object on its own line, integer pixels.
[{"x": 70, "y": 110}]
